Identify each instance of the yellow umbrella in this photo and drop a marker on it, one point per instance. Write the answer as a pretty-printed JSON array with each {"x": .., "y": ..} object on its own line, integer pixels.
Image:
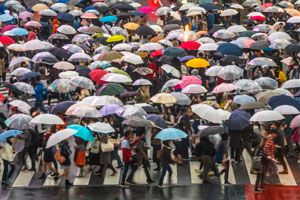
[
  {"x": 142, "y": 54},
  {"x": 39, "y": 6},
  {"x": 163, "y": 98},
  {"x": 115, "y": 38},
  {"x": 197, "y": 63},
  {"x": 131, "y": 26},
  {"x": 293, "y": 12},
  {"x": 96, "y": 35}
]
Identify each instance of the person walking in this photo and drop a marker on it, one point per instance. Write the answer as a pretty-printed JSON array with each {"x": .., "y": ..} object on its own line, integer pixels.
[
  {"x": 165, "y": 160},
  {"x": 29, "y": 148},
  {"x": 222, "y": 157},
  {"x": 39, "y": 95},
  {"x": 79, "y": 156},
  {"x": 7, "y": 155}
]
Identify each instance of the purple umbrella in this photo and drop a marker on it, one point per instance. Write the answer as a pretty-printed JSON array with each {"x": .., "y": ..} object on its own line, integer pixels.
[
  {"x": 186, "y": 58},
  {"x": 109, "y": 109}
]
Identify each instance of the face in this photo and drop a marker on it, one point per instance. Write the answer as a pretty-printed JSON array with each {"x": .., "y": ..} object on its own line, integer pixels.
[
  {"x": 296, "y": 67},
  {"x": 274, "y": 135}
]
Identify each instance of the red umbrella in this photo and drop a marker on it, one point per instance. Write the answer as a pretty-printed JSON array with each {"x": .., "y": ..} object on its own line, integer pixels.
[
  {"x": 266, "y": 5},
  {"x": 259, "y": 18},
  {"x": 146, "y": 9},
  {"x": 188, "y": 80},
  {"x": 190, "y": 45},
  {"x": 96, "y": 75},
  {"x": 8, "y": 28},
  {"x": 1, "y": 97},
  {"x": 156, "y": 53},
  {"x": 6, "y": 40}
]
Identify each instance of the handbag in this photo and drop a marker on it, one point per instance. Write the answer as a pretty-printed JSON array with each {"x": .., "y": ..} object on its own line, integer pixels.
[
  {"x": 257, "y": 163},
  {"x": 58, "y": 157},
  {"x": 95, "y": 147},
  {"x": 107, "y": 147},
  {"x": 116, "y": 141}
]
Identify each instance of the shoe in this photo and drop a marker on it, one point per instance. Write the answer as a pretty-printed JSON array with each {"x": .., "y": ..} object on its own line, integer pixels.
[
  {"x": 24, "y": 169},
  {"x": 227, "y": 183},
  {"x": 68, "y": 184},
  {"x": 56, "y": 177},
  {"x": 266, "y": 183},
  {"x": 114, "y": 173},
  {"x": 284, "y": 172},
  {"x": 131, "y": 182},
  {"x": 262, "y": 189},
  {"x": 157, "y": 169},
  {"x": 32, "y": 169},
  {"x": 162, "y": 186},
  {"x": 149, "y": 181},
  {"x": 257, "y": 191},
  {"x": 124, "y": 185},
  {"x": 99, "y": 174},
  {"x": 205, "y": 181},
  {"x": 120, "y": 166},
  {"x": 43, "y": 177},
  {"x": 278, "y": 183}
]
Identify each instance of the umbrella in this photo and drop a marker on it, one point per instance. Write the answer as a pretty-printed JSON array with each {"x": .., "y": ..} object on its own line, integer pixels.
[
  {"x": 49, "y": 119},
  {"x": 20, "y": 71},
  {"x": 267, "y": 83},
  {"x": 208, "y": 47},
  {"x": 108, "y": 19},
  {"x": 260, "y": 61},
  {"x": 102, "y": 100},
  {"x": 259, "y": 45},
  {"x": 280, "y": 100},
  {"x": 266, "y": 116},
  {"x": 97, "y": 74},
  {"x": 66, "y": 29},
  {"x": 172, "y": 83},
  {"x": 18, "y": 121},
  {"x": 190, "y": 45},
  {"x": 242, "y": 99},
  {"x": 171, "y": 134},
  {"x": 197, "y": 63},
  {"x": 111, "y": 56},
  {"x": 5, "y": 17},
  {"x": 284, "y": 91},
  {"x": 230, "y": 72},
  {"x": 236, "y": 28},
  {"x": 131, "y": 26},
  {"x": 133, "y": 59},
  {"x": 174, "y": 52},
  {"x": 60, "y": 136},
  {"x": 88, "y": 16},
  {"x": 61, "y": 107},
  {"x": 209, "y": 6},
  {"x": 58, "y": 36},
  {"x": 116, "y": 78},
  {"x": 137, "y": 13},
  {"x": 287, "y": 110},
  {"x": 213, "y": 71},
  {"x": 33, "y": 45},
  {"x": 86, "y": 111},
  {"x": 12, "y": 88},
  {"x": 17, "y": 61},
  {"x": 63, "y": 65},
  {"x": 212, "y": 130},
  {"x": 182, "y": 99},
  {"x": 223, "y": 34},
  {"x": 295, "y": 122},
  {"x": 146, "y": 107},
  {"x": 44, "y": 57},
  {"x": 229, "y": 12},
  {"x": 224, "y": 87},
  {"x": 146, "y": 10},
  {"x": 48, "y": 13},
  {"x": 111, "y": 89},
  {"x": 158, "y": 121},
  {"x": 206, "y": 112},
  {"x": 83, "y": 82},
  {"x": 164, "y": 10},
  {"x": 100, "y": 127},
  {"x": 122, "y": 6},
  {"x": 151, "y": 46},
  {"x": 293, "y": 83},
  {"x": 279, "y": 35},
  {"x": 230, "y": 49},
  {"x": 80, "y": 57},
  {"x": 65, "y": 17},
  {"x": 163, "y": 98},
  {"x": 72, "y": 48},
  {"x": 140, "y": 82},
  {"x": 129, "y": 111},
  {"x": 138, "y": 122},
  {"x": 62, "y": 86},
  {"x": 9, "y": 133},
  {"x": 18, "y": 32},
  {"x": 238, "y": 120},
  {"x": 187, "y": 80},
  {"x": 143, "y": 71},
  {"x": 6, "y": 40},
  {"x": 265, "y": 96},
  {"x": 115, "y": 38},
  {"x": 25, "y": 87},
  {"x": 82, "y": 132},
  {"x": 109, "y": 109},
  {"x": 67, "y": 75},
  {"x": 231, "y": 59},
  {"x": 279, "y": 44},
  {"x": 265, "y": 28},
  {"x": 122, "y": 47},
  {"x": 295, "y": 48},
  {"x": 194, "y": 89},
  {"x": 248, "y": 85},
  {"x": 29, "y": 75},
  {"x": 171, "y": 70},
  {"x": 145, "y": 31},
  {"x": 21, "y": 105},
  {"x": 252, "y": 105}
]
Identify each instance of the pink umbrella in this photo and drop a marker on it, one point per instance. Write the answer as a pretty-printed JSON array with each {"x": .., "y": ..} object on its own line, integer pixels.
[
  {"x": 188, "y": 80},
  {"x": 8, "y": 28},
  {"x": 224, "y": 87},
  {"x": 33, "y": 24},
  {"x": 295, "y": 122},
  {"x": 26, "y": 15},
  {"x": 146, "y": 9}
]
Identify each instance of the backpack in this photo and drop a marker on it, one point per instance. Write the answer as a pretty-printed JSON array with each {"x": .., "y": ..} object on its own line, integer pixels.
[{"x": 219, "y": 154}]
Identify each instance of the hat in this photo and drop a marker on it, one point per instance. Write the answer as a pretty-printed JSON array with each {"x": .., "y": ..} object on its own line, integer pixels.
[{"x": 265, "y": 67}]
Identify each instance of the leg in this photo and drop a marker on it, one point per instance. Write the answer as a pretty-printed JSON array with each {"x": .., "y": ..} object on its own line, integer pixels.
[
  {"x": 163, "y": 173},
  {"x": 55, "y": 164},
  {"x": 258, "y": 179},
  {"x": 133, "y": 169},
  {"x": 32, "y": 157},
  {"x": 206, "y": 162},
  {"x": 126, "y": 167},
  {"x": 226, "y": 172},
  {"x": 5, "y": 171},
  {"x": 120, "y": 163},
  {"x": 23, "y": 155},
  {"x": 169, "y": 169}
]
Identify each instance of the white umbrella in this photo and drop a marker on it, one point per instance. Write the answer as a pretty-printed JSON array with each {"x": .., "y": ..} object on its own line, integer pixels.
[
  {"x": 139, "y": 82},
  {"x": 172, "y": 70},
  {"x": 63, "y": 65},
  {"x": 279, "y": 44},
  {"x": 205, "y": 40},
  {"x": 294, "y": 20},
  {"x": 267, "y": 83},
  {"x": 223, "y": 34},
  {"x": 259, "y": 61},
  {"x": 236, "y": 28},
  {"x": 25, "y": 87},
  {"x": 287, "y": 110},
  {"x": 134, "y": 4},
  {"x": 44, "y": 57},
  {"x": 19, "y": 121},
  {"x": 253, "y": 14},
  {"x": 228, "y": 12},
  {"x": 80, "y": 57},
  {"x": 172, "y": 83},
  {"x": 60, "y": 136},
  {"x": 197, "y": 9},
  {"x": 279, "y": 35},
  {"x": 21, "y": 105},
  {"x": 273, "y": 9},
  {"x": 156, "y": 28},
  {"x": 248, "y": 85},
  {"x": 48, "y": 13},
  {"x": 151, "y": 46},
  {"x": 165, "y": 42},
  {"x": 62, "y": 86},
  {"x": 76, "y": 13},
  {"x": 86, "y": 111},
  {"x": 83, "y": 82},
  {"x": 206, "y": 112},
  {"x": 68, "y": 74},
  {"x": 223, "y": 114},
  {"x": 122, "y": 47},
  {"x": 116, "y": 78},
  {"x": 20, "y": 71},
  {"x": 230, "y": 72},
  {"x": 266, "y": 116},
  {"x": 208, "y": 47},
  {"x": 164, "y": 10},
  {"x": 194, "y": 13},
  {"x": 102, "y": 100},
  {"x": 133, "y": 59},
  {"x": 101, "y": 127},
  {"x": 66, "y": 29},
  {"x": 186, "y": 6},
  {"x": 182, "y": 99},
  {"x": 172, "y": 35},
  {"x": 81, "y": 38},
  {"x": 194, "y": 89},
  {"x": 77, "y": 105},
  {"x": 129, "y": 111},
  {"x": 265, "y": 28},
  {"x": 33, "y": 45},
  {"x": 284, "y": 92},
  {"x": 49, "y": 119},
  {"x": 213, "y": 71},
  {"x": 236, "y": 6},
  {"x": 293, "y": 83},
  {"x": 60, "y": 7}
]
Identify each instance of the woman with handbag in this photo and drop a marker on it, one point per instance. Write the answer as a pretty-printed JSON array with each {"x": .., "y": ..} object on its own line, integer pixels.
[
  {"x": 7, "y": 155},
  {"x": 105, "y": 150},
  {"x": 79, "y": 156},
  {"x": 94, "y": 153},
  {"x": 65, "y": 152}
]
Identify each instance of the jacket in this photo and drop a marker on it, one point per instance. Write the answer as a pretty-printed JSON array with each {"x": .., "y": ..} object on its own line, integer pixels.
[
  {"x": 165, "y": 155},
  {"x": 205, "y": 147},
  {"x": 269, "y": 146},
  {"x": 39, "y": 91},
  {"x": 6, "y": 152},
  {"x": 126, "y": 149}
]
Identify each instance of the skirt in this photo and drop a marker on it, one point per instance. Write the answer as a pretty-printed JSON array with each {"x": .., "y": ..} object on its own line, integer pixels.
[{"x": 80, "y": 159}]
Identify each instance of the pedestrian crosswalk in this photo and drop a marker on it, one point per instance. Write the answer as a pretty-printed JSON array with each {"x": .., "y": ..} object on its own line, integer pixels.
[{"x": 186, "y": 174}]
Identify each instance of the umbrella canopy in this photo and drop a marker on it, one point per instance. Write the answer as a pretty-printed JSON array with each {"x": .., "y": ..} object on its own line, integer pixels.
[
  {"x": 171, "y": 134},
  {"x": 116, "y": 78},
  {"x": 174, "y": 52},
  {"x": 141, "y": 82},
  {"x": 260, "y": 61},
  {"x": 197, "y": 63},
  {"x": 102, "y": 100},
  {"x": 138, "y": 122},
  {"x": 157, "y": 120},
  {"x": 238, "y": 120},
  {"x": 9, "y": 133},
  {"x": 21, "y": 105},
  {"x": 62, "y": 86},
  {"x": 100, "y": 127},
  {"x": 224, "y": 87},
  {"x": 213, "y": 71},
  {"x": 82, "y": 132},
  {"x": 63, "y": 65},
  {"x": 182, "y": 99},
  {"x": 190, "y": 45},
  {"x": 242, "y": 99},
  {"x": 60, "y": 136},
  {"x": 86, "y": 111},
  {"x": 188, "y": 80},
  {"x": 266, "y": 116},
  {"x": 280, "y": 100},
  {"x": 19, "y": 121},
  {"x": 287, "y": 110},
  {"x": 109, "y": 109},
  {"x": 252, "y": 105},
  {"x": 83, "y": 82},
  {"x": 230, "y": 49},
  {"x": 172, "y": 83},
  {"x": 265, "y": 96},
  {"x": 230, "y": 72},
  {"x": 212, "y": 130},
  {"x": 61, "y": 107},
  {"x": 133, "y": 59},
  {"x": 248, "y": 85},
  {"x": 25, "y": 87},
  {"x": 29, "y": 75},
  {"x": 129, "y": 111},
  {"x": 267, "y": 83},
  {"x": 171, "y": 70},
  {"x": 111, "y": 89},
  {"x": 293, "y": 83},
  {"x": 295, "y": 122},
  {"x": 194, "y": 89},
  {"x": 49, "y": 119},
  {"x": 206, "y": 112},
  {"x": 163, "y": 98},
  {"x": 97, "y": 74}
]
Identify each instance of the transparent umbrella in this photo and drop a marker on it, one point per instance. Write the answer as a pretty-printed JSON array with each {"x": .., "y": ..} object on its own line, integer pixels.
[
  {"x": 24, "y": 87},
  {"x": 230, "y": 72},
  {"x": 19, "y": 121},
  {"x": 83, "y": 82}
]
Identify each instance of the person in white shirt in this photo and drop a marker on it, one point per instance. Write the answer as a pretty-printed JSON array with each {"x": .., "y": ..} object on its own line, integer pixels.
[{"x": 7, "y": 155}]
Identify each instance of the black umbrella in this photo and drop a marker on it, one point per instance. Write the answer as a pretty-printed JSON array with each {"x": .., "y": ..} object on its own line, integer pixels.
[
  {"x": 29, "y": 75},
  {"x": 174, "y": 21},
  {"x": 137, "y": 13},
  {"x": 212, "y": 130},
  {"x": 83, "y": 71},
  {"x": 122, "y": 6},
  {"x": 145, "y": 31},
  {"x": 170, "y": 27},
  {"x": 102, "y": 40},
  {"x": 103, "y": 9},
  {"x": 12, "y": 88},
  {"x": 259, "y": 45},
  {"x": 165, "y": 59},
  {"x": 61, "y": 107},
  {"x": 230, "y": 59},
  {"x": 60, "y": 53},
  {"x": 295, "y": 48},
  {"x": 125, "y": 95},
  {"x": 150, "y": 109},
  {"x": 123, "y": 16}
]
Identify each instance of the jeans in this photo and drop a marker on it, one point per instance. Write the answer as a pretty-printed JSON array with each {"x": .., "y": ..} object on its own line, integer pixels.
[
  {"x": 39, "y": 104},
  {"x": 114, "y": 154},
  {"x": 279, "y": 156},
  {"x": 126, "y": 167},
  {"x": 30, "y": 151},
  {"x": 274, "y": 166},
  {"x": 165, "y": 167},
  {"x": 226, "y": 171},
  {"x": 6, "y": 172}
]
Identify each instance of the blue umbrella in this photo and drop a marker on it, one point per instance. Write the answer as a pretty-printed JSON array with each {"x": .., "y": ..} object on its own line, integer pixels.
[
  {"x": 29, "y": 75},
  {"x": 209, "y": 6},
  {"x": 238, "y": 120},
  {"x": 137, "y": 13},
  {"x": 283, "y": 100},
  {"x": 171, "y": 134},
  {"x": 230, "y": 49},
  {"x": 65, "y": 17},
  {"x": 62, "y": 1},
  {"x": 109, "y": 19},
  {"x": 2, "y": 9},
  {"x": 9, "y": 133},
  {"x": 174, "y": 52},
  {"x": 157, "y": 120},
  {"x": 18, "y": 31},
  {"x": 89, "y": 8},
  {"x": 5, "y": 17},
  {"x": 242, "y": 99},
  {"x": 82, "y": 132}
]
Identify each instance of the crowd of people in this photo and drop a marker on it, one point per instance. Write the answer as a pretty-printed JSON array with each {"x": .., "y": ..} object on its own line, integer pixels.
[{"x": 167, "y": 85}]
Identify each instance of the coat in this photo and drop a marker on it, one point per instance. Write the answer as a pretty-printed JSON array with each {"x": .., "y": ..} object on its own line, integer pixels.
[
  {"x": 2, "y": 66},
  {"x": 104, "y": 156}
]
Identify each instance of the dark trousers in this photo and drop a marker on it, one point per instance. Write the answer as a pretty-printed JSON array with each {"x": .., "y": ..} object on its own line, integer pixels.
[
  {"x": 126, "y": 168},
  {"x": 165, "y": 167},
  {"x": 261, "y": 179},
  {"x": 30, "y": 151},
  {"x": 226, "y": 171},
  {"x": 7, "y": 173},
  {"x": 146, "y": 170},
  {"x": 108, "y": 165},
  {"x": 39, "y": 104},
  {"x": 235, "y": 154},
  {"x": 279, "y": 156},
  {"x": 207, "y": 164},
  {"x": 185, "y": 148}
]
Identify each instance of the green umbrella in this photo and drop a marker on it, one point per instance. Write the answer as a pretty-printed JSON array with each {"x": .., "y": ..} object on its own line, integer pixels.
[
  {"x": 111, "y": 89},
  {"x": 247, "y": 33}
]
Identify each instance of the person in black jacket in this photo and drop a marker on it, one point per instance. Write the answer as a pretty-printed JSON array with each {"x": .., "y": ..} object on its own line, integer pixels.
[
  {"x": 165, "y": 160},
  {"x": 205, "y": 150}
]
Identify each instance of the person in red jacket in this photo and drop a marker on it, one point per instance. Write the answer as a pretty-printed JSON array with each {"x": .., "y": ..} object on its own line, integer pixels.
[{"x": 127, "y": 159}]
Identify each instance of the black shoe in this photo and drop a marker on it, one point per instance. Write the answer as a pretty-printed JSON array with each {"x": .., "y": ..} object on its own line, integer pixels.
[
  {"x": 120, "y": 166},
  {"x": 150, "y": 181},
  {"x": 56, "y": 177},
  {"x": 131, "y": 182},
  {"x": 205, "y": 181},
  {"x": 43, "y": 177},
  {"x": 5, "y": 184},
  {"x": 157, "y": 169},
  {"x": 68, "y": 184},
  {"x": 32, "y": 169},
  {"x": 227, "y": 183},
  {"x": 284, "y": 172}
]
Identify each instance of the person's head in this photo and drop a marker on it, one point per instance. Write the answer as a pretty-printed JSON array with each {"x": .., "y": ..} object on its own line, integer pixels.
[
  {"x": 275, "y": 125},
  {"x": 273, "y": 132},
  {"x": 167, "y": 143},
  {"x": 224, "y": 136},
  {"x": 229, "y": 97},
  {"x": 296, "y": 66},
  {"x": 265, "y": 67},
  {"x": 128, "y": 134}
]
